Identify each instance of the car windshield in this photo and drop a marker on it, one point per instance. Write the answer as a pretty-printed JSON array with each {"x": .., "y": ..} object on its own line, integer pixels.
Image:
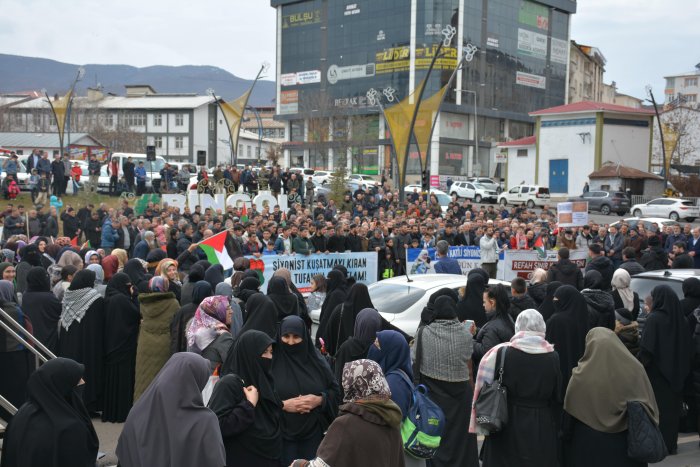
[
  {"x": 479, "y": 186},
  {"x": 644, "y": 285},
  {"x": 367, "y": 177},
  {"x": 394, "y": 298},
  {"x": 443, "y": 199}
]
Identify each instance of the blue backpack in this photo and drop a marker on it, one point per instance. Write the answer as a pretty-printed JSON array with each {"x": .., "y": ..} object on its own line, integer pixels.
[{"x": 421, "y": 429}]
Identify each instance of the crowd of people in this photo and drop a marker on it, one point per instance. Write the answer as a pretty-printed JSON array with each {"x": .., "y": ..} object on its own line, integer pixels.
[{"x": 149, "y": 333}]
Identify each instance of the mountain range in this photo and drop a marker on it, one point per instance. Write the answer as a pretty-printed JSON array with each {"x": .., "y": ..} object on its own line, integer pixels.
[{"x": 21, "y": 74}]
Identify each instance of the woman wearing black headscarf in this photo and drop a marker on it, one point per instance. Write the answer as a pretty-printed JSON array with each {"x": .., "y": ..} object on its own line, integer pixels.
[
  {"x": 335, "y": 295},
  {"x": 443, "y": 357},
  {"x": 30, "y": 257},
  {"x": 81, "y": 335},
  {"x": 214, "y": 275},
  {"x": 16, "y": 361},
  {"x": 471, "y": 306},
  {"x": 261, "y": 315},
  {"x": 178, "y": 325},
  {"x": 546, "y": 309},
  {"x": 665, "y": 352},
  {"x": 691, "y": 301},
  {"x": 309, "y": 393},
  {"x": 122, "y": 319},
  {"x": 257, "y": 439},
  {"x": 427, "y": 316},
  {"x": 342, "y": 322},
  {"x": 601, "y": 306},
  {"x": 53, "y": 429},
  {"x": 248, "y": 287},
  {"x": 499, "y": 326},
  {"x": 134, "y": 269},
  {"x": 195, "y": 275},
  {"x": 367, "y": 324},
  {"x": 285, "y": 301},
  {"x": 169, "y": 425},
  {"x": 567, "y": 329},
  {"x": 42, "y": 307}
]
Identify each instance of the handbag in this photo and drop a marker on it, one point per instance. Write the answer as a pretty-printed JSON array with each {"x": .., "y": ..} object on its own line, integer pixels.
[
  {"x": 644, "y": 440},
  {"x": 491, "y": 405},
  {"x": 209, "y": 388}
]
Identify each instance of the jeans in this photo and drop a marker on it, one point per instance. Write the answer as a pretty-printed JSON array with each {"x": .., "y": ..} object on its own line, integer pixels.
[
  {"x": 140, "y": 187},
  {"x": 93, "y": 183},
  {"x": 113, "y": 185},
  {"x": 76, "y": 188}
]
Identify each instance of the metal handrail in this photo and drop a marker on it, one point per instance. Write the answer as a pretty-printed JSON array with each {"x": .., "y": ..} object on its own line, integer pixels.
[
  {"x": 7, "y": 405},
  {"x": 45, "y": 357}
]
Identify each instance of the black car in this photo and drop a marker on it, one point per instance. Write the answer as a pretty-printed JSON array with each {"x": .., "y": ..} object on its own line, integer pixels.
[{"x": 605, "y": 201}]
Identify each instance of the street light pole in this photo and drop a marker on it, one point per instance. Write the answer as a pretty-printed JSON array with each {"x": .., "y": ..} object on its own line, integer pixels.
[
  {"x": 476, "y": 127},
  {"x": 651, "y": 99}
]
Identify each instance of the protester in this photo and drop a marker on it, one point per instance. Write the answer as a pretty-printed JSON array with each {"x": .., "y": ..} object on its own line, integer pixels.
[
  {"x": 606, "y": 379},
  {"x": 499, "y": 326},
  {"x": 342, "y": 321},
  {"x": 53, "y": 429},
  {"x": 367, "y": 324},
  {"x": 42, "y": 308},
  {"x": 208, "y": 333},
  {"x": 169, "y": 425},
  {"x": 471, "y": 305},
  {"x": 336, "y": 292},
  {"x": 601, "y": 307},
  {"x": 181, "y": 319}
]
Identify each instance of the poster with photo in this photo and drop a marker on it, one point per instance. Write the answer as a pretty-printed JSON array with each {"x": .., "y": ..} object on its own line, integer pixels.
[{"x": 572, "y": 214}]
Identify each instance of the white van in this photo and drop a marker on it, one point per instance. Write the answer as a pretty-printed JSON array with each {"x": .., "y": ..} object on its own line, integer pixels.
[{"x": 152, "y": 168}]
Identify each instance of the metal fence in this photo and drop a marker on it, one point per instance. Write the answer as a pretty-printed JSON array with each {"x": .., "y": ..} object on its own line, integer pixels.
[{"x": 639, "y": 199}]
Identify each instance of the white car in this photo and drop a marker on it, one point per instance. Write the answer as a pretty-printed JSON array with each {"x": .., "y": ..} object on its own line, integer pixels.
[
  {"x": 443, "y": 199},
  {"x": 646, "y": 221},
  {"x": 489, "y": 183},
  {"x": 321, "y": 177},
  {"x": 669, "y": 208},
  {"x": 472, "y": 190},
  {"x": 401, "y": 302},
  {"x": 531, "y": 195},
  {"x": 22, "y": 175},
  {"x": 365, "y": 181}
]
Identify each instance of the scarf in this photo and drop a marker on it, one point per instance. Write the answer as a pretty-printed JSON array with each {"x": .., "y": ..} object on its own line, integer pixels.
[
  {"x": 76, "y": 304},
  {"x": 530, "y": 342},
  {"x": 621, "y": 282},
  {"x": 209, "y": 321}
]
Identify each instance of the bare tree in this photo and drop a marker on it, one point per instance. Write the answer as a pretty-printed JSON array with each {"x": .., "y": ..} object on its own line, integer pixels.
[
  {"x": 681, "y": 136},
  {"x": 273, "y": 154}
]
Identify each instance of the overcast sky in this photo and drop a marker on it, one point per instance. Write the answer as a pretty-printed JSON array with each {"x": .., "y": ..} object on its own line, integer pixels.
[{"x": 641, "y": 40}]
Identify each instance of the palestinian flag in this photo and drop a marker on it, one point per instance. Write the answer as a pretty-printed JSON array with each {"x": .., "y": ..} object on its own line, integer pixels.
[
  {"x": 539, "y": 247},
  {"x": 215, "y": 249},
  {"x": 244, "y": 214}
]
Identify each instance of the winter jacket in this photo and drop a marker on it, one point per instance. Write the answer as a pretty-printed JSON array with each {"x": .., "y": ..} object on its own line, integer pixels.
[
  {"x": 606, "y": 269},
  {"x": 157, "y": 309},
  {"x": 601, "y": 309},
  {"x": 632, "y": 266},
  {"x": 109, "y": 235},
  {"x": 653, "y": 259},
  {"x": 520, "y": 304},
  {"x": 498, "y": 329},
  {"x": 567, "y": 273},
  {"x": 537, "y": 292}
]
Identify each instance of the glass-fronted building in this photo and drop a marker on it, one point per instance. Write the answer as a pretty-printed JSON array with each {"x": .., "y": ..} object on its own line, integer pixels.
[{"x": 330, "y": 53}]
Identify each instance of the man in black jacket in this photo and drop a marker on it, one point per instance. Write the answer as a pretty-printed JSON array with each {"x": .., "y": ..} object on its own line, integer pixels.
[
  {"x": 565, "y": 271},
  {"x": 319, "y": 240},
  {"x": 520, "y": 300},
  {"x": 353, "y": 241},
  {"x": 679, "y": 258},
  {"x": 93, "y": 229},
  {"x": 183, "y": 243},
  {"x": 71, "y": 224},
  {"x": 337, "y": 243},
  {"x": 129, "y": 169},
  {"x": 58, "y": 170},
  {"x": 601, "y": 263},
  {"x": 50, "y": 222},
  {"x": 629, "y": 261},
  {"x": 654, "y": 258}
]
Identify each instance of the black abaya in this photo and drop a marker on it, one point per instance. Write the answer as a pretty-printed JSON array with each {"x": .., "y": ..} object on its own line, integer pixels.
[
  {"x": 122, "y": 319},
  {"x": 586, "y": 447},
  {"x": 472, "y": 304},
  {"x": 335, "y": 295},
  {"x": 16, "y": 361},
  {"x": 42, "y": 308}
]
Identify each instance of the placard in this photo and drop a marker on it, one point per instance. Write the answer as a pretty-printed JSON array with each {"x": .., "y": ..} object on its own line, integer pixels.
[
  {"x": 572, "y": 214},
  {"x": 533, "y": 81},
  {"x": 532, "y": 43}
]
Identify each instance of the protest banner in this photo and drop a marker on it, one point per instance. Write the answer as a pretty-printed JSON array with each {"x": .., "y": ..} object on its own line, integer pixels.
[
  {"x": 361, "y": 266},
  {"x": 521, "y": 263},
  {"x": 572, "y": 214},
  {"x": 422, "y": 260}
]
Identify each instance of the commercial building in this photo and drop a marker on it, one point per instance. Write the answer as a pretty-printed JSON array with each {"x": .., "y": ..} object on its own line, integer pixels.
[
  {"x": 178, "y": 125},
  {"x": 330, "y": 54},
  {"x": 574, "y": 140}
]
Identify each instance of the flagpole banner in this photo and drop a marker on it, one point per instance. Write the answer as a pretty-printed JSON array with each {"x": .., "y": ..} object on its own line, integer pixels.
[
  {"x": 361, "y": 266},
  {"x": 422, "y": 260},
  {"x": 521, "y": 263},
  {"x": 572, "y": 214}
]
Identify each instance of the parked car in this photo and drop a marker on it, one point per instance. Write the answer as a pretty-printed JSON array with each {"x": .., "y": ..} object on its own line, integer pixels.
[
  {"x": 643, "y": 283},
  {"x": 442, "y": 197},
  {"x": 305, "y": 172},
  {"x": 366, "y": 181},
  {"x": 531, "y": 195},
  {"x": 647, "y": 221},
  {"x": 325, "y": 190},
  {"x": 670, "y": 208},
  {"x": 321, "y": 177},
  {"x": 605, "y": 201},
  {"x": 401, "y": 302},
  {"x": 489, "y": 183},
  {"x": 22, "y": 175},
  {"x": 475, "y": 191}
]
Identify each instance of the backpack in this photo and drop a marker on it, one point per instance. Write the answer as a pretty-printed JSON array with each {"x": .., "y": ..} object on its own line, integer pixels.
[{"x": 422, "y": 427}]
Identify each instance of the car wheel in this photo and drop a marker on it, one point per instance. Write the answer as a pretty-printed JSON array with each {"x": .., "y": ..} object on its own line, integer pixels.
[
  {"x": 690, "y": 219},
  {"x": 530, "y": 204},
  {"x": 503, "y": 202},
  {"x": 673, "y": 216},
  {"x": 477, "y": 199},
  {"x": 637, "y": 213},
  {"x": 605, "y": 210}
]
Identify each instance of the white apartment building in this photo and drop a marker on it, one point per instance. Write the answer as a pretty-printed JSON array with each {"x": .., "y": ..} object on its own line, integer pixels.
[{"x": 683, "y": 88}]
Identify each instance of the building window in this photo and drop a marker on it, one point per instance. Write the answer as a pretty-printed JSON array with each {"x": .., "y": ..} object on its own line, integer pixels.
[
  {"x": 691, "y": 82},
  {"x": 109, "y": 120},
  {"x": 522, "y": 152},
  {"x": 691, "y": 98},
  {"x": 248, "y": 152},
  {"x": 158, "y": 120},
  {"x": 17, "y": 118},
  {"x": 158, "y": 141},
  {"x": 179, "y": 144},
  {"x": 179, "y": 119},
  {"x": 135, "y": 119}
]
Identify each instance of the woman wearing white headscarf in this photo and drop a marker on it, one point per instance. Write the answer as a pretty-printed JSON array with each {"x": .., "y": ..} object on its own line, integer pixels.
[
  {"x": 626, "y": 310},
  {"x": 100, "y": 285},
  {"x": 532, "y": 378}
]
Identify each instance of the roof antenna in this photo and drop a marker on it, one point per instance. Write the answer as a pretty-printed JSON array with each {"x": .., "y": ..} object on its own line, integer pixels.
[{"x": 408, "y": 278}]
